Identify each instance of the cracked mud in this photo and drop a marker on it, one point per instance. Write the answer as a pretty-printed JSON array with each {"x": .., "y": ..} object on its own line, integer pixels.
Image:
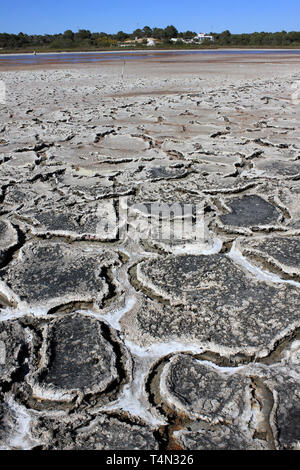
[{"x": 118, "y": 330}]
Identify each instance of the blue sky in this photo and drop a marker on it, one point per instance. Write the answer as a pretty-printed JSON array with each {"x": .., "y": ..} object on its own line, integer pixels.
[{"x": 55, "y": 16}]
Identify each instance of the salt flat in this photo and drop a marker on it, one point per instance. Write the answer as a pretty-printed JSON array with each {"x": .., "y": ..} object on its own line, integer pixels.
[{"x": 149, "y": 250}]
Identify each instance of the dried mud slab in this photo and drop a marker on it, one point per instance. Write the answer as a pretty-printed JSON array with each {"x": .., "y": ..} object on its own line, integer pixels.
[
  {"x": 156, "y": 171},
  {"x": 166, "y": 191},
  {"x": 274, "y": 168},
  {"x": 101, "y": 433},
  {"x": 22, "y": 196},
  {"x": 217, "y": 400},
  {"x": 194, "y": 186},
  {"x": 97, "y": 221},
  {"x": 80, "y": 357},
  {"x": 8, "y": 239},
  {"x": 218, "y": 437},
  {"x": 90, "y": 188},
  {"x": 14, "y": 345},
  {"x": 279, "y": 254},
  {"x": 46, "y": 275},
  {"x": 201, "y": 391},
  {"x": 250, "y": 211},
  {"x": 21, "y": 160},
  {"x": 289, "y": 196},
  {"x": 287, "y": 415},
  {"x": 210, "y": 301},
  {"x": 18, "y": 165},
  {"x": 123, "y": 146},
  {"x": 282, "y": 377},
  {"x": 16, "y": 170}
]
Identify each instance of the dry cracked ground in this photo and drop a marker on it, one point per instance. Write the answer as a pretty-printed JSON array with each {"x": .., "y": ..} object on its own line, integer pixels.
[{"x": 112, "y": 336}]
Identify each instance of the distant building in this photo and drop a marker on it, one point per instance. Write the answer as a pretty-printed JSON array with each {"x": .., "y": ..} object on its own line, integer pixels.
[
  {"x": 202, "y": 36},
  {"x": 131, "y": 42},
  {"x": 151, "y": 41},
  {"x": 197, "y": 39},
  {"x": 181, "y": 40}
]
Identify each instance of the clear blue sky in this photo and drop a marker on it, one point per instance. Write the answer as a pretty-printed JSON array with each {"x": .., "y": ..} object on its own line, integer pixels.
[{"x": 55, "y": 16}]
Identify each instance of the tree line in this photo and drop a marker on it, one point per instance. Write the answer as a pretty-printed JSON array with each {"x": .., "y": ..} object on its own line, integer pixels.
[{"x": 85, "y": 39}]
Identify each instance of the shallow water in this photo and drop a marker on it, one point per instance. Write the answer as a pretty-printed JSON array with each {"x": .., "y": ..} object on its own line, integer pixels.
[{"x": 88, "y": 57}]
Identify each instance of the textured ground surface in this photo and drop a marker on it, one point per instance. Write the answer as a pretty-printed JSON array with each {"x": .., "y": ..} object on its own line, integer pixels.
[{"x": 114, "y": 335}]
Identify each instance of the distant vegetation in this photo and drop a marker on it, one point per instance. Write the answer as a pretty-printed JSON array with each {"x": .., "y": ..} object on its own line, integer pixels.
[{"x": 86, "y": 40}]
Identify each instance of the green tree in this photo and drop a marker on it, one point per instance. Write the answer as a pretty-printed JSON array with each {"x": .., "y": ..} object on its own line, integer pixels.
[
  {"x": 147, "y": 32},
  {"x": 121, "y": 36},
  {"x": 84, "y": 34},
  {"x": 188, "y": 35},
  {"x": 138, "y": 33},
  {"x": 157, "y": 33},
  {"x": 170, "y": 32},
  {"x": 69, "y": 35},
  {"x": 225, "y": 37}
]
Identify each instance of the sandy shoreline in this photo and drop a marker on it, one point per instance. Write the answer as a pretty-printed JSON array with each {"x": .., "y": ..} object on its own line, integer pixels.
[
  {"x": 173, "y": 63},
  {"x": 148, "y": 50}
]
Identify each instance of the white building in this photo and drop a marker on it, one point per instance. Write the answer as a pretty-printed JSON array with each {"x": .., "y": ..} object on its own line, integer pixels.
[
  {"x": 151, "y": 42},
  {"x": 198, "y": 39},
  {"x": 185, "y": 41},
  {"x": 202, "y": 36}
]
